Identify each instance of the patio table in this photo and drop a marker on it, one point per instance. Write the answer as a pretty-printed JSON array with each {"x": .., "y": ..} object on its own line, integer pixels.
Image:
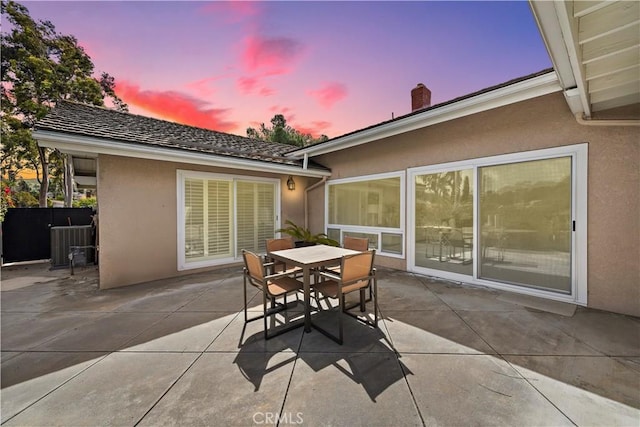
[{"x": 309, "y": 258}]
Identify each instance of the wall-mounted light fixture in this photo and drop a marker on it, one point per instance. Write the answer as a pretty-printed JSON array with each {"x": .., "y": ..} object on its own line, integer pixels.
[{"x": 291, "y": 184}]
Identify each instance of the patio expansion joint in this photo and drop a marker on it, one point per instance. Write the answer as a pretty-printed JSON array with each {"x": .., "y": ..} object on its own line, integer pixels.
[
  {"x": 58, "y": 387},
  {"x": 540, "y": 392},
  {"x": 293, "y": 369},
  {"x": 168, "y": 389},
  {"x": 406, "y": 380}
]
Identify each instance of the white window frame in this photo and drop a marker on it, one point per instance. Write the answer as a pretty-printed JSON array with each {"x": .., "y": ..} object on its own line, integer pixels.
[
  {"x": 181, "y": 175},
  {"x": 579, "y": 165},
  {"x": 366, "y": 229}
]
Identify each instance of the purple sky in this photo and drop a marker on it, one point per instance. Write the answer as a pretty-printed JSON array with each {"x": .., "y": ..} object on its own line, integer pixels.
[{"x": 329, "y": 67}]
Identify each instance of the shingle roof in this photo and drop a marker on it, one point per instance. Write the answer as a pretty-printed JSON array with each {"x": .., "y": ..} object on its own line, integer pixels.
[{"x": 98, "y": 122}]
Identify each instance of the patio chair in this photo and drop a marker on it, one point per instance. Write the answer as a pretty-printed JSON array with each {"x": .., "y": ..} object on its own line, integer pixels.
[
  {"x": 356, "y": 274},
  {"x": 359, "y": 244},
  {"x": 356, "y": 243},
  {"x": 279, "y": 245},
  {"x": 272, "y": 287}
]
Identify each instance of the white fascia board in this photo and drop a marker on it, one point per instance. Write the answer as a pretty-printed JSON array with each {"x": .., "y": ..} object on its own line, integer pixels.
[
  {"x": 521, "y": 91},
  {"x": 87, "y": 145},
  {"x": 559, "y": 36}
]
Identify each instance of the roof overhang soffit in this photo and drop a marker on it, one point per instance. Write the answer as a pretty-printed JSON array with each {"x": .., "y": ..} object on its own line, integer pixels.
[
  {"x": 560, "y": 37},
  {"x": 92, "y": 147},
  {"x": 517, "y": 92}
]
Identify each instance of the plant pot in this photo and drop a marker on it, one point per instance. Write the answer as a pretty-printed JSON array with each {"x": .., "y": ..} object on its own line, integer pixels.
[{"x": 302, "y": 244}]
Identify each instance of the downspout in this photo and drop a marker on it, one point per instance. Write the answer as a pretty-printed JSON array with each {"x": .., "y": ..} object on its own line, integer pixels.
[
  {"x": 589, "y": 122},
  {"x": 306, "y": 199}
]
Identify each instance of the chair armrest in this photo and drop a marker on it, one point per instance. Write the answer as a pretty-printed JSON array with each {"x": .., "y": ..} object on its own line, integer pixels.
[
  {"x": 277, "y": 275},
  {"x": 331, "y": 276}
]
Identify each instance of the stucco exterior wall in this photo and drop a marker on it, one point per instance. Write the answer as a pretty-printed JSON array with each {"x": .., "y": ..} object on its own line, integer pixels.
[
  {"x": 138, "y": 217},
  {"x": 613, "y": 179}
]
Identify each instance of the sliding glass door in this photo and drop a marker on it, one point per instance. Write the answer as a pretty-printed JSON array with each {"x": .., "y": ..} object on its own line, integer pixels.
[
  {"x": 507, "y": 221},
  {"x": 444, "y": 221},
  {"x": 525, "y": 224}
]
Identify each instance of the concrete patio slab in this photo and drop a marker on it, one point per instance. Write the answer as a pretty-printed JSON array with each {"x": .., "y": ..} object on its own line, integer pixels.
[
  {"x": 249, "y": 338},
  {"x": 460, "y": 296},
  {"x": 118, "y": 390},
  {"x": 433, "y": 332},
  {"x": 33, "y": 375},
  {"x": 41, "y": 329},
  {"x": 456, "y": 390},
  {"x": 107, "y": 333},
  {"x": 609, "y": 333},
  {"x": 596, "y": 391},
  {"x": 350, "y": 390},
  {"x": 226, "y": 389},
  {"x": 181, "y": 332},
  {"x": 523, "y": 332},
  {"x": 168, "y": 353}
]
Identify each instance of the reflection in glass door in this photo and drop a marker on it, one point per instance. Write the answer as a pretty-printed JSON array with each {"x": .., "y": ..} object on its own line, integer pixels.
[
  {"x": 525, "y": 224},
  {"x": 444, "y": 221}
]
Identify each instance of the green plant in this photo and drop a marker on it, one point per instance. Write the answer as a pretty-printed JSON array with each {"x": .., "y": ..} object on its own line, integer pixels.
[
  {"x": 303, "y": 234},
  {"x": 89, "y": 202}
]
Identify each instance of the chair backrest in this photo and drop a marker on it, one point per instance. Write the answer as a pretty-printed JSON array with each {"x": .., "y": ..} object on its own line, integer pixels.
[
  {"x": 254, "y": 266},
  {"x": 279, "y": 244},
  {"x": 358, "y": 266},
  {"x": 356, "y": 243}
]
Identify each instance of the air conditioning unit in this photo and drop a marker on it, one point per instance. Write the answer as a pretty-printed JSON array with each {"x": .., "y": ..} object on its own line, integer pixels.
[{"x": 66, "y": 239}]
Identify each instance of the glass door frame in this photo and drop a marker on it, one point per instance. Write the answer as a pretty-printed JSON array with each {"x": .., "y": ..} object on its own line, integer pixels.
[{"x": 579, "y": 158}]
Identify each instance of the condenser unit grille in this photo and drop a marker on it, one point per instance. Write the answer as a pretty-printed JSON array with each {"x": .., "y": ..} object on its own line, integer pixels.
[{"x": 62, "y": 238}]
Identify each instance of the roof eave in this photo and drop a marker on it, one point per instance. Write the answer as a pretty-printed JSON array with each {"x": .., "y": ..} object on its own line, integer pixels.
[
  {"x": 520, "y": 91},
  {"x": 559, "y": 36},
  {"x": 83, "y": 145}
]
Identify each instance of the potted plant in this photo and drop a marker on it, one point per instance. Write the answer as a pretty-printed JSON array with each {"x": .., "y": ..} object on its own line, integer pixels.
[{"x": 303, "y": 237}]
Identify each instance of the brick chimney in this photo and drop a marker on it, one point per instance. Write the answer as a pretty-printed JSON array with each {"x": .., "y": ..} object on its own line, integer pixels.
[{"x": 420, "y": 97}]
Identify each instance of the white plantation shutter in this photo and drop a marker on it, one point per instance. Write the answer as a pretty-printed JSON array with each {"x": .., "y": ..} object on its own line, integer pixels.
[
  {"x": 208, "y": 223},
  {"x": 255, "y": 217},
  {"x": 219, "y": 218},
  {"x": 194, "y": 218}
]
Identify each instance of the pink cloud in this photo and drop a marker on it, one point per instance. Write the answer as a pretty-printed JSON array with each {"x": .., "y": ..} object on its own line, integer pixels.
[
  {"x": 203, "y": 87},
  {"x": 270, "y": 56},
  {"x": 247, "y": 85},
  {"x": 329, "y": 94},
  {"x": 266, "y": 91},
  {"x": 316, "y": 128},
  {"x": 175, "y": 106},
  {"x": 279, "y": 109},
  {"x": 232, "y": 11}
]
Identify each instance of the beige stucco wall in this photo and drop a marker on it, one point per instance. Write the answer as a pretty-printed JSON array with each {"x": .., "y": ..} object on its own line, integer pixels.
[
  {"x": 613, "y": 179},
  {"x": 138, "y": 217}
]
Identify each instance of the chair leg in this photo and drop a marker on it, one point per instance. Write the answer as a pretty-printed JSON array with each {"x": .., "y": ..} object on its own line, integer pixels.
[
  {"x": 265, "y": 316},
  {"x": 375, "y": 301},
  {"x": 245, "y": 297},
  {"x": 340, "y": 314},
  {"x": 363, "y": 293}
]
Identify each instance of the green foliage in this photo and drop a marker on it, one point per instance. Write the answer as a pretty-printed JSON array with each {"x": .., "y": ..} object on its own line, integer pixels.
[
  {"x": 25, "y": 199},
  {"x": 281, "y": 132},
  {"x": 89, "y": 202},
  {"x": 303, "y": 234},
  {"x": 40, "y": 67}
]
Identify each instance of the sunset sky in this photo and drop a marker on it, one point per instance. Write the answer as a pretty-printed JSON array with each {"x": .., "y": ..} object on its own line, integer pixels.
[{"x": 328, "y": 67}]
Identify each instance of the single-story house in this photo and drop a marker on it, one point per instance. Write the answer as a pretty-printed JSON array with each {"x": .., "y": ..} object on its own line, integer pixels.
[{"x": 530, "y": 186}]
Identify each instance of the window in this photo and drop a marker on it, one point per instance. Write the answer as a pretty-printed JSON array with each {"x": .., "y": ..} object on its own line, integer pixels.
[
  {"x": 371, "y": 207},
  {"x": 220, "y": 215}
]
